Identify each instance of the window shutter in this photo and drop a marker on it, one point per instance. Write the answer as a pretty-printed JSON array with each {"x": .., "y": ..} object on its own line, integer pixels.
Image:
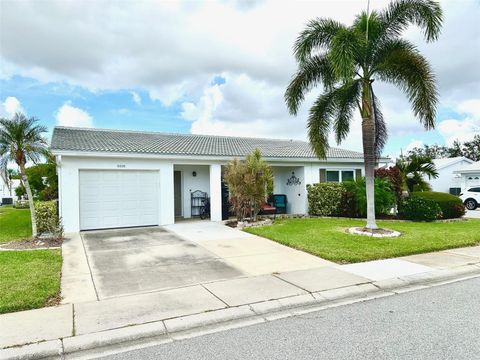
[
  {"x": 358, "y": 173},
  {"x": 323, "y": 175}
]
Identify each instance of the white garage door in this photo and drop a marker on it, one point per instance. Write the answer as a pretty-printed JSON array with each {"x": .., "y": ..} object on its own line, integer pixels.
[
  {"x": 473, "y": 180},
  {"x": 114, "y": 199}
]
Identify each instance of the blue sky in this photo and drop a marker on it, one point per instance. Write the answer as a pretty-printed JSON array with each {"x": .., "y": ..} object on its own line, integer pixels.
[
  {"x": 109, "y": 109},
  {"x": 180, "y": 67}
]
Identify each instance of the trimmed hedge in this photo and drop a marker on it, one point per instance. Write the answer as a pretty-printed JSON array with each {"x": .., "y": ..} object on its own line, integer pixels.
[
  {"x": 22, "y": 204},
  {"x": 348, "y": 199},
  {"x": 47, "y": 218},
  {"x": 419, "y": 209},
  {"x": 452, "y": 206},
  {"x": 325, "y": 199}
]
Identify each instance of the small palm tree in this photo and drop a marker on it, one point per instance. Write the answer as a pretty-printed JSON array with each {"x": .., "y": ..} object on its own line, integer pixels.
[
  {"x": 21, "y": 141},
  {"x": 249, "y": 183},
  {"x": 415, "y": 169},
  {"x": 346, "y": 60}
]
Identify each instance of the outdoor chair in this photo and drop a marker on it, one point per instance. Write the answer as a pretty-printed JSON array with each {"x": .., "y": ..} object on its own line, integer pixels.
[
  {"x": 279, "y": 201},
  {"x": 267, "y": 209}
]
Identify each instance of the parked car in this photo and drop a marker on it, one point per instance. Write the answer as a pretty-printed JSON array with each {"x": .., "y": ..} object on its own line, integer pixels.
[{"x": 471, "y": 197}]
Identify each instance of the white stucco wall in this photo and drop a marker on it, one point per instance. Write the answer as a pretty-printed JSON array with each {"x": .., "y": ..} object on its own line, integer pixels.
[
  {"x": 208, "y": 179},
  {"x": 308, "y": 173},
  {"x": 296, "y": 194},
  {"x": 4, "y": 190},
  {"x": 192, "y": 183},
  {"x": 447, "y": 178},
  {"x": 69, "y": 184}
]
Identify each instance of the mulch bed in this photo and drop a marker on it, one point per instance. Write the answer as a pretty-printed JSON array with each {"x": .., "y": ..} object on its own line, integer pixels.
[{"x": 32, "y": 244}]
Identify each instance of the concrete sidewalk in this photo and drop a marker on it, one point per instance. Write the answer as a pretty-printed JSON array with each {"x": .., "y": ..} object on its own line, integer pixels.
[{"x": 72, "y": 329}]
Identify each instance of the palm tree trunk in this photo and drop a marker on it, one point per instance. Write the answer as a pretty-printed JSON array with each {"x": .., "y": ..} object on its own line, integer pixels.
[
  {"x": 368, "y": 137},
  {"x": 30, "y": 199},
  {"x": 368, "y": 133}
]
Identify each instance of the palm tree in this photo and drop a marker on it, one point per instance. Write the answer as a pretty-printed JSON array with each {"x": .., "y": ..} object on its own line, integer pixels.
[
  {"x": 21, "y": 141},
  {"x": 414, "y": 169},
  {"x": 346, "y": 60}
]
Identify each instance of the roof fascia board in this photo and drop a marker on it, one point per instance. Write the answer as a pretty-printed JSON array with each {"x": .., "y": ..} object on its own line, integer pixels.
[
  {"x": 195, "y": 157},
  {"x": 453, "y": 162}
]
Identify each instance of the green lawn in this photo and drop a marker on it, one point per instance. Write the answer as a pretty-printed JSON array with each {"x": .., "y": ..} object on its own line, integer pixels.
[
  {"x": 28, "y": 279},
  {"x": 327, "y": 238},
  {"x": 15, "y": 224}
]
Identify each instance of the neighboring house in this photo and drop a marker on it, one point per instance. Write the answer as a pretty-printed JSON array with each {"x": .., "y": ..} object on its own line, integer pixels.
[
  {"x": 448, "y": 180},
  {"x": 7, "y": 191},
  {"x": 469, "y": 175},
  {"x": 112, "y": 178}
]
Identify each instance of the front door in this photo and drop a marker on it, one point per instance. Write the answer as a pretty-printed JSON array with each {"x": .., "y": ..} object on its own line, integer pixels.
[{"x": 177, "y": 189}]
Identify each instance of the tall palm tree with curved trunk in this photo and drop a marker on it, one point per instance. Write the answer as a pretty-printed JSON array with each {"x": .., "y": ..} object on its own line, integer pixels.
[
  {"x": 21, "y": 140},
  {"x": 347, "y": 60}
]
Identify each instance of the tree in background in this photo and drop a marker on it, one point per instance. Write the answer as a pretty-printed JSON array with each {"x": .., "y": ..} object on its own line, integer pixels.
[
  {"x": 43, "y": 180},
  {"x": 414, "y": 169},
  {"x": 431, "y": 151},
  {"x": 21, "y": 141},
  {"x": 249, "y": 182},
  {"x": 396, "y": 181},
  {"x": 347, "y": 60},
  {"x": 469, "y": 149}
]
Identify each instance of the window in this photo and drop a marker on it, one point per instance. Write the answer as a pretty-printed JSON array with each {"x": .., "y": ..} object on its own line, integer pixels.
[
  {"x": 455, "y": 191},
  {"x": 340, "y": 175},
  {"x": 475, "y": 189},
  {"x": 347, "y": 175},
  {"x": 333, "y": 176}
]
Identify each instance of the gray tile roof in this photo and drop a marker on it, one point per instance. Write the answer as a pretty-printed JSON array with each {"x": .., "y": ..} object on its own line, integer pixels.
[{"x": 119, "y": 141}]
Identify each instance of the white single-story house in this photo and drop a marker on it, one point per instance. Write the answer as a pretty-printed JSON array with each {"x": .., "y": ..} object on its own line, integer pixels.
[
  {"x": 113, "y": 178},
  {"x": 469, "y": 175},
  {"x": 448, "y": 179},
  {"x": 7, "y": 191}
]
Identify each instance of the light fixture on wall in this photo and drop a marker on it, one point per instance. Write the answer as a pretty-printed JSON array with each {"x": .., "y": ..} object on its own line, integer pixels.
[
  {"x": 293, "y": 180},
  {"x": 194, "y": 173}
]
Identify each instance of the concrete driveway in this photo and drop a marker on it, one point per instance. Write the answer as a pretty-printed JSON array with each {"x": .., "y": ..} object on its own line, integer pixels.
[
  {"x": 473, "y": 214},
  {"x": 129, "y": 261},
  {"x": 105, "y": 264}
]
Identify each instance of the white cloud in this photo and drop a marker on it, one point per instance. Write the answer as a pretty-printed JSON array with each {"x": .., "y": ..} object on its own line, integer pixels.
[
  {"x": 470, "y": 107},
  {"x": 10, "y": 106},
  {"x": 68, "y": 115},
  {"x": 463, "y": 129},
  {"x": 413, "y": 144},
  {"x": 242, "y": 106},
  {"x": 173, "y": 50},
  {"x": 136, "y": 97}
]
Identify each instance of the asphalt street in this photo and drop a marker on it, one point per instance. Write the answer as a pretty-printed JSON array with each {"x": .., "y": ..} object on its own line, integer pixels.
[{"x": 442, "y": 322}]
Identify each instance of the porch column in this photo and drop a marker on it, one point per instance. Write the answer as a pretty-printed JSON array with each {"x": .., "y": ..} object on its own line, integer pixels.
[
  {"x": 166, "y": 198},
  {"x": 215, "y": 192}
]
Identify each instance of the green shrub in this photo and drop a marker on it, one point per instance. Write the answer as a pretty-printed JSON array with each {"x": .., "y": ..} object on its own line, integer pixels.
[
  {"x": 325, "y": 199},
  {"x": 384, "y": 197},
  {"x": 348, "y": 204},
  {"x": 22, "y": 204},
  {"x": 419, "y": 209},
  {"x": 20, "y": 191},
  {"x": 452, "y": 206},
  {"x": 48, "y": 221}
]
